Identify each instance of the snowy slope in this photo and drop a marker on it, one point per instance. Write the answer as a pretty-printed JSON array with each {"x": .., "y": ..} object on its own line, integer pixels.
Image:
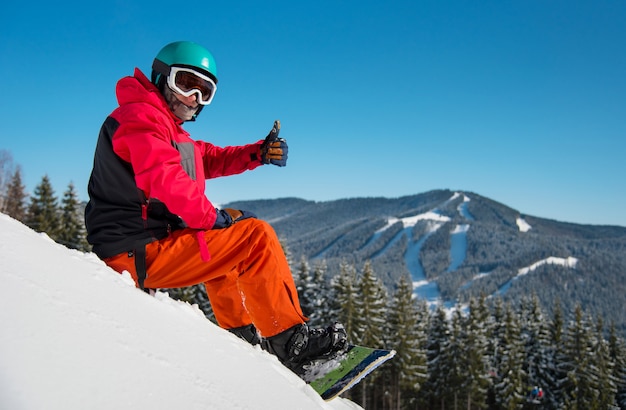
[{"x": 76, "y": 335}]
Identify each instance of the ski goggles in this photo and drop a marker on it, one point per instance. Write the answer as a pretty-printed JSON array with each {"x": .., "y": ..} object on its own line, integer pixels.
[{"x": 187, "y": 82}]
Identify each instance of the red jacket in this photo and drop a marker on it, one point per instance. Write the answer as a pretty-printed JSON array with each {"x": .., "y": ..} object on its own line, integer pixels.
[{"x": 149, "y": 175}]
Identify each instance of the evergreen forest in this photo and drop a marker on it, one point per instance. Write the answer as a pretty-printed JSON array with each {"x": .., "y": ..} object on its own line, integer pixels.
[{"x": 489, "y": 354}]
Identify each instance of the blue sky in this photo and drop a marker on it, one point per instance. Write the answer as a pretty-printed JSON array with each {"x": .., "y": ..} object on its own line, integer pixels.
[{"x": 520, "y": 101}]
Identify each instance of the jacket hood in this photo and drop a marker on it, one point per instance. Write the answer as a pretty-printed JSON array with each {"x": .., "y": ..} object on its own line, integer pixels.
[{"x": 139, "y": 89}]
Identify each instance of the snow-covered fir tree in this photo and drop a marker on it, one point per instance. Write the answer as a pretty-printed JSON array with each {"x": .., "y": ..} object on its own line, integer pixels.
[
  {"x": 6, "y": 172},
  {"x": 344, "y": 301},
  {"x": 553, "y": 394},
  {"x": 456, "y": 361},
  {"x": 434, "y": 391},
  {"x": 604, "y": 380},
  {"x": 14, "y": 204},
  {"x": 539, "y": 357},
  {"x": 323, "y": 313},
  {"x": 477, "y": 354},
  {"x": 497, "y": 328},
  {"x": 372, "y": 305},
  {"x": 43, "y": 212},
  {"x": 72, "y": 231},
  {"x": 578, "y": 385},
  {"x": 511, "y": 390},
  {"x": 370, "y": 321},
  {"x": 302, "y": 278},
  {"x": 314, "y": 294},
  {"x": 617, "y": 349},
  {"x": 405, "y": 331}
]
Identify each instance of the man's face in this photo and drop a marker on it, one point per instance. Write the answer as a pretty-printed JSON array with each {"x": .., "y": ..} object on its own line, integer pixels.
[
  {"x": 187, "y": 90},
  {"x": 182, "y": 107}
]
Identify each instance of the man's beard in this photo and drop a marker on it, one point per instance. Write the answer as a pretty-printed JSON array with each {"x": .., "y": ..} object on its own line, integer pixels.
[{"x": 179, "y": 109}]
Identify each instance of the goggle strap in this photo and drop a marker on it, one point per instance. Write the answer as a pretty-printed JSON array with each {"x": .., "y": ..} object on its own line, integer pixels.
[{"x": 160, "y": 67}]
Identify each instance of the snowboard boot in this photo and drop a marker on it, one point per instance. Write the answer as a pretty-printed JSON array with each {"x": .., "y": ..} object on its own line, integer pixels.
[
  {"x": 247, "y": 333},
  {"x": 301, "y": 344}
]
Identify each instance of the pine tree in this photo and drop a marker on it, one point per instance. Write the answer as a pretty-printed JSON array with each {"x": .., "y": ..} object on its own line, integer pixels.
[
  {"x": 406, "y": 334},
  {"x": 303, "y": 281},
  {"x": 72, "y": 228},
  {"x": 554, "y": 395},
  {"x": 603, "y": 382},
  {"x": 43, "y": 212},
  {"x": 438, "y": 372},
  {"x": 323, "y": 314},
  {"x": 578, "y": 385},
  {"x": 314, "y": 294},
  {"x": 15, "y": 203},
  {"x": 539, "y": 363},
  {"x": 6, "y": 170},
  {"x": 476, "y": 352},
  {"x": 371, "y": 306},
  {"x": 344, "y": 305},
  {"x": 617, "y": 351},
  {"x": 453, "y": 355},
  {"x": 511, "y": 389},
  {"x": 495, "y": 348},
  {"x": 421, "y": 333}
]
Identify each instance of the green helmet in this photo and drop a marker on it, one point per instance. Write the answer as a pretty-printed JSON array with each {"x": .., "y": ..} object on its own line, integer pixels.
[{"x": 183, "y": 54}]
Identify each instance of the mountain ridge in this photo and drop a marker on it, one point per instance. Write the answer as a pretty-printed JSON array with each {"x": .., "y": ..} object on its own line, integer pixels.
[{"x": 458, "y": 244}]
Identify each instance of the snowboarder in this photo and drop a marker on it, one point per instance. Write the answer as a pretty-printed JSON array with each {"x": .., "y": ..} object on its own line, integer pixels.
[
  {"x": 148, "y": 213},
  {"x": 536, "y": 394}
]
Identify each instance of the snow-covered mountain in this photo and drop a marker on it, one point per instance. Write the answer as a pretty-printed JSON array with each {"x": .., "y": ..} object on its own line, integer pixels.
[
  {"x": 77, "y": 335},
  {"x": 457, "y": 244}
]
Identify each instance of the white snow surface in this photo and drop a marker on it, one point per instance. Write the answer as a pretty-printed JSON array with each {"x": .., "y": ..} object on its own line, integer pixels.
[
  {"x": 77, "y": 335},
  {"x": 523, "y": 225},
  {"x": 411, "y": 221},
  {"x": 569, "y": 262}
]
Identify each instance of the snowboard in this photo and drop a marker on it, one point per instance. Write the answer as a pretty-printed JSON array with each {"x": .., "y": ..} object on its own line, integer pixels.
[{"x": 335, "y": 375}]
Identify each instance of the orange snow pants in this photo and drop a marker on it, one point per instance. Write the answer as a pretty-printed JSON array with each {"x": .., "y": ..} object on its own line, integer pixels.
[{"x": 247, "y": 278}]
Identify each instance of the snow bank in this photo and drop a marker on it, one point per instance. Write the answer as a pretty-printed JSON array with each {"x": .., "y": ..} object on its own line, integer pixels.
[{"x": 76, "y": 335}]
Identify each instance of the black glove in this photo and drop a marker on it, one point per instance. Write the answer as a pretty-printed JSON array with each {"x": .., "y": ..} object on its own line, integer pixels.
[
  {"x": 274, "y": 150},
  {"x": 228, "y": 216}
]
